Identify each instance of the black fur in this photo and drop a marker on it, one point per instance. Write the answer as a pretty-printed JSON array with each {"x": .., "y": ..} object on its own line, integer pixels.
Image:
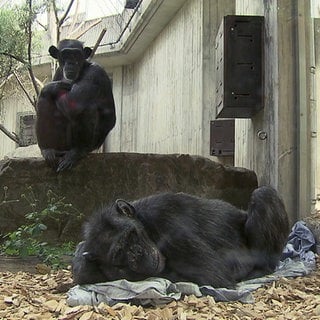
[
  {"x": 183, "y": 238},
  {"x": 75, "y": 111}
]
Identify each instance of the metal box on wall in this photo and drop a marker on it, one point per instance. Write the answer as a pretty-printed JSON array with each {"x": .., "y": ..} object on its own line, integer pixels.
[
  {"x": 240, "y": 66},
  {"x": 222, "y": 138},
  {"x": 131, "y": 4},
  {"x": 26, "y": 123}
]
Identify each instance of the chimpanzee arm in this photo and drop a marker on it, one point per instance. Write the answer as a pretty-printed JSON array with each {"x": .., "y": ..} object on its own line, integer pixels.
[
  {"x": 85, "y": 271},
  {"x": 91, "y": 90},
  {"x": 52, "y": 89},
  {"x": 193, "y": 260},
  {"x": 90, "y": 94}
]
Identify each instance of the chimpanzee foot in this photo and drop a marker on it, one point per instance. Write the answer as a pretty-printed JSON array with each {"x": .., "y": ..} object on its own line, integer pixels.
[{"x": 50, "y": 157}]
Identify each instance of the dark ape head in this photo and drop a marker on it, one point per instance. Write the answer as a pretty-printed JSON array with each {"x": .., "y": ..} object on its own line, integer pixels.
[
  {"x": 71, "y": 56},
  {"x": 116, "y": 241}
]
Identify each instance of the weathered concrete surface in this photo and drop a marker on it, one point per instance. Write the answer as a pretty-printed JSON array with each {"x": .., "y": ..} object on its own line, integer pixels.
[
  {"x": 24, "y": 152},
  {"x": 102, "y": 178}
]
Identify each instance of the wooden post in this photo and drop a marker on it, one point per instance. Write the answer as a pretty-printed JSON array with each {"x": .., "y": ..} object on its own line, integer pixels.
[{"x": 303, "y": 104}]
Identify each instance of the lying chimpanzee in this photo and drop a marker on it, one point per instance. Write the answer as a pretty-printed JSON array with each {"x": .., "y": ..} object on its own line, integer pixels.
[
  {"x": 183, "y": 238},
  {"x": 75, "y": 111}
]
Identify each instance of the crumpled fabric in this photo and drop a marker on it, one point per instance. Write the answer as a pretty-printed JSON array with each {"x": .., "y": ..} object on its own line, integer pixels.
[
  {"x": 298, "y": 260},
  {"x": 301, "y": 244}
]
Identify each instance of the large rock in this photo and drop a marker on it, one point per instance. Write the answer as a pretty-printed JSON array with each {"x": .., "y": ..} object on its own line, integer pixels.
[{"x": 102, "y": 178}]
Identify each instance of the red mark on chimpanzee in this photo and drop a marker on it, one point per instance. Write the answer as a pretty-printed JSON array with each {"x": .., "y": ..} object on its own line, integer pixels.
[
  {"x": 71, "y": 104},
  {"x": 62, "y": 95}
]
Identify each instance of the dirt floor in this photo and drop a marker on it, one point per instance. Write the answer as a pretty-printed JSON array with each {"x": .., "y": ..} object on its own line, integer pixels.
[{"x": 36, "y": 296}]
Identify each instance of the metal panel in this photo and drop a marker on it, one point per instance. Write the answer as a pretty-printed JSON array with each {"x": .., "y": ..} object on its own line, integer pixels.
[
  {"x": 240, "y": 66},
  {"x": 26, "y": 125},
  {"x": 222, "y": 138}
]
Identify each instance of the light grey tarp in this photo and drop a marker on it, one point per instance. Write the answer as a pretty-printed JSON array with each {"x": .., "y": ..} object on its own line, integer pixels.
[{"x": 298, "y": 260}]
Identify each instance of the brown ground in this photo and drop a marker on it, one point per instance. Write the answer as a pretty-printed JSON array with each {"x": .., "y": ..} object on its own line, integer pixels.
[{"x": 34, "y": 296}]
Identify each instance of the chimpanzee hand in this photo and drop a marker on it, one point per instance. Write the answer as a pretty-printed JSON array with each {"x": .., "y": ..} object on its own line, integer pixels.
[{"x": 65, "y": 85}]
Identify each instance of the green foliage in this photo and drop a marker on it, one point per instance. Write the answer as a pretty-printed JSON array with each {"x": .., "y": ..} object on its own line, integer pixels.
[
  {"x": 57, "y": 211},
  {"x": 23, "y": 241},
  {"x": 13, "y": 41},
  {"x": 15, "y": 28},
  {"x": 26, "y": 240}
]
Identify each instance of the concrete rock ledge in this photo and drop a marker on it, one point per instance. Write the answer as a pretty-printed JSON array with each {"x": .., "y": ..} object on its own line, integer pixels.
[{"x": 101, "y": 178}]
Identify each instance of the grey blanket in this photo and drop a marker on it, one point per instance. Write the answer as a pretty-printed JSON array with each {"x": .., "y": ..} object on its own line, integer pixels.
[{"x": 299, "y": 260}]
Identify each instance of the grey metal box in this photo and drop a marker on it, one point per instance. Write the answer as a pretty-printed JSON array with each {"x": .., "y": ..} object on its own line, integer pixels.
[{"x": 240, "y": 66}]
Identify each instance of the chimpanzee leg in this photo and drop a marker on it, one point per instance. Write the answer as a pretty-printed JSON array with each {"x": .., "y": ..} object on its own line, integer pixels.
[
  {"x": 81, "y": 132},
  {"x": 266, "y": 229},
  {"x": 52, "y": 131}
]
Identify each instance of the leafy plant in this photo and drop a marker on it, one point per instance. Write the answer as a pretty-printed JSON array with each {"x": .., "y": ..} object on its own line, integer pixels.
[
  {"x": 56, "y": 212},
  {"x": 23, "y": 241},
  {"x": 26, "y": 240}
]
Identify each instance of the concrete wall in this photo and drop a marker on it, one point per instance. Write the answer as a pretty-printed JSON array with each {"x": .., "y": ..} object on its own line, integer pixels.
[
  {"x": 160, "y": 106},
  {"x": 165, "y": 101},
  {"x": 283, "y": 159},
  {"x": 10, "y": 106}
]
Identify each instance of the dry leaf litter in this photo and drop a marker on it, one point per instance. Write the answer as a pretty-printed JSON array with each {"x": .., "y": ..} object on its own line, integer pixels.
[{"x": 36, "y": 296}]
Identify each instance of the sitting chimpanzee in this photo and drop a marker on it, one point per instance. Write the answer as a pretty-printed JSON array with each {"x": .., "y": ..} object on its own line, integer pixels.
[
  {"x": 75, "y": 111},
  {"x": 183, "y": 238}
]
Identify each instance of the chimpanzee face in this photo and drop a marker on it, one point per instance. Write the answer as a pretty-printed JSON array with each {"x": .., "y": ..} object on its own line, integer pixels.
[
  {"x": 71, "y": 61},
  {"x": 117, "y": 242},
  {"x": 71, "y": 56}
]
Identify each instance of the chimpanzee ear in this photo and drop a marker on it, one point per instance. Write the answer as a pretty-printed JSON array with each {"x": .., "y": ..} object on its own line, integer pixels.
[
  {"x": 54, "y": 52},
  {"x": 87, "y": 52},
  {"x": 124, "y": 207}
]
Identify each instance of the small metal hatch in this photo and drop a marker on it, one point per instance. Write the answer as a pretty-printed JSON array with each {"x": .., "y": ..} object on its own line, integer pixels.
[{"x": 222, "y": 138}]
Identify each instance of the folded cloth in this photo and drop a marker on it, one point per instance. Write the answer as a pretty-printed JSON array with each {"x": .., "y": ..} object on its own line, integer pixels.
[
  {"x": 301, "y": 243},
  {"x": 157, "y": 291}
]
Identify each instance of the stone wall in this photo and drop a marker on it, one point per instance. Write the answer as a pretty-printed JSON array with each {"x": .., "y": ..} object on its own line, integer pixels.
[{"x": 102, "y": 178}]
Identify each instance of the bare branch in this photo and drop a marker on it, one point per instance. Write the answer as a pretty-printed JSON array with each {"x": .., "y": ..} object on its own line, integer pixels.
[
  {"x": 32, "y": 101},
  {"x": 102, "y": 33},
  {"x": 42, "y": 25},
  {"x": 75, "y": 17},
  {"x": 6, "y": 79},
  {"x": 29, "y": 65},
  {"x": 61, "y": 21},
  {"x": 55, "y": 11},
  {"x": 76, "y": 35},
  {"x": 13, "y": 57},
  {"x": 13, "y": 136}
]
